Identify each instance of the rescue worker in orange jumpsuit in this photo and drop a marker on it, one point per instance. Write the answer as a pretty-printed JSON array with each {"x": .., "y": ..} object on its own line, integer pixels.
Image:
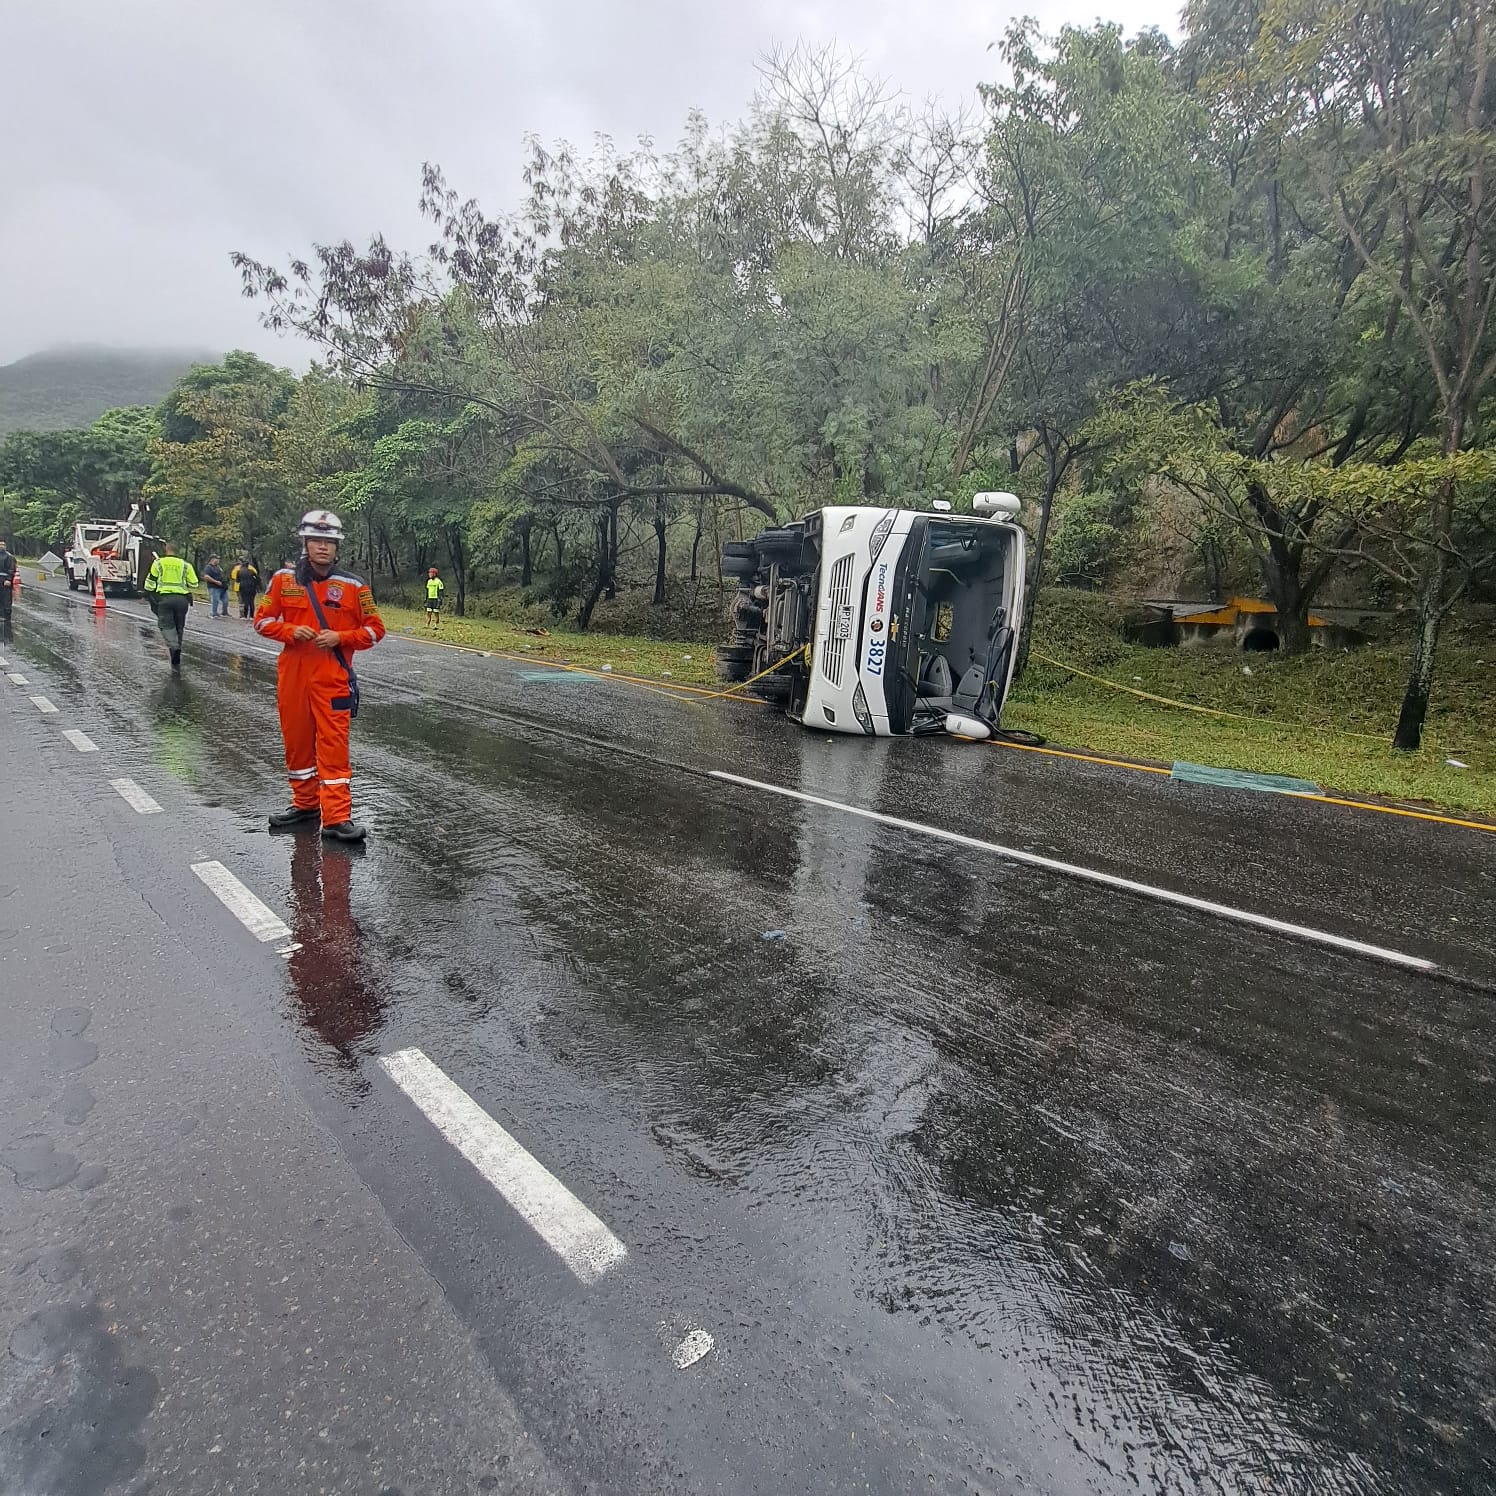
[{"x": 316, "y": 685}]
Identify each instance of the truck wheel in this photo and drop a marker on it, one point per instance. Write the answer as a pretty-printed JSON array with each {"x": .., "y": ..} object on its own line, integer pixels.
[
  {"x": 779, "y": 546},
  {"x": 739, "y": 559},
  {"x": 734, "y": 662},
  {"x": 72, "y": 582}
]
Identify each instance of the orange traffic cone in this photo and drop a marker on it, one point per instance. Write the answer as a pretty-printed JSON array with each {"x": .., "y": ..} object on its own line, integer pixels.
[{"x": 98, "y": 593}]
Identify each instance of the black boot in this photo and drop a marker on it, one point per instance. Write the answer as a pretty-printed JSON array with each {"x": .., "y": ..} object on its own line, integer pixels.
[
  {"x": 344, "y": 831},
  {"x": 294, "y": 816},
  {"x": 176, "y": 659}
]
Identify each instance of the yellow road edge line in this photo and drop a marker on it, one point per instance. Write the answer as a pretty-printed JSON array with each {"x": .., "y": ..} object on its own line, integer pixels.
[
  {"x": 1085, "y": 758},
  {"x": 1323, "y": 799},
  {"x": 1392, "y": 810}
]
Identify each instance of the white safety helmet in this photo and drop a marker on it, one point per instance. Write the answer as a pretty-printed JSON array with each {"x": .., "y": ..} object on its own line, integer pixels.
[{"x": 320, "y": 524}]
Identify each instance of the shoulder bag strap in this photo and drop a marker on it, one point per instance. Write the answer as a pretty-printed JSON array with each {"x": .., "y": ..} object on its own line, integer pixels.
[{"x": 311, "y": 592}]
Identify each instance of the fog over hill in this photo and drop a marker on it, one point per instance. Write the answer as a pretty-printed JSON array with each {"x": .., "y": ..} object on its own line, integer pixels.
[{"x": 73, "y": 386}]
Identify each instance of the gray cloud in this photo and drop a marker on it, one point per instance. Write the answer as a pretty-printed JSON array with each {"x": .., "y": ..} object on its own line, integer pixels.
[{"x": 148, "y": 140}]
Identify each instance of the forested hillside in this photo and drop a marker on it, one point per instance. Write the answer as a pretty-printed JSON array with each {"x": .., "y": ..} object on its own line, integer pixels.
[
  {"x": 70, "y": 387},
  {"x": 1225, "y": 302}
]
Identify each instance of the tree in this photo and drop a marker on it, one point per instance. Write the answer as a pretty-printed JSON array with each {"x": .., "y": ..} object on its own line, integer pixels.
[
  {"x": 521, "y": 294},
  {"x": 1392, "y": 504},
  {"x": 322, "y": 442},
  {"x": 181, "y": 413},
  {"x": 1093, "y": 185},
  {"x": 837, "y": 300},
  {"x": 1310, "y": 366},
  {"x": 119, "y": 458},
  {"x": 216, "y": 480},
  {"x": 851, "y": 129},
  {"x": 56, "y": 478},
  {"x": 1387, "y": 106},
  {"x": 100, "y": 467},
  {"x": 1295, "y": 520},
  {"x": 428, "y": 474}
]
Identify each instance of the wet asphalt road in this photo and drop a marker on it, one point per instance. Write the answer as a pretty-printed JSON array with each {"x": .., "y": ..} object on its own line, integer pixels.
[{"x": 981, "y": 1178}]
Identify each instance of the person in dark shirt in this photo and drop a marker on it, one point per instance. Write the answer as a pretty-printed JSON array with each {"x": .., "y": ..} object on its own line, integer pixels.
[
  {"x": 7, "y": 582},
  {"x": 218, "y": 588}
]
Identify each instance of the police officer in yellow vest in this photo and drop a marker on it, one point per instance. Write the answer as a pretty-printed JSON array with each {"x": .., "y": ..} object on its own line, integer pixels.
[{"x": 169, "y": 584}]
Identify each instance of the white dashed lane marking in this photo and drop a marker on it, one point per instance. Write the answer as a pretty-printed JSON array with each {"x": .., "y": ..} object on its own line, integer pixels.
[
  {"x": 16, "y": 680},
  {"x": 566, "y": 1226},
  {"x": 42, "y": 705},
  {"x": 261, "y": 922},
  {"x": 135, "y": 797},
  {"x": 80, "y": 740},
  {"x": 1093, "y": 875}
]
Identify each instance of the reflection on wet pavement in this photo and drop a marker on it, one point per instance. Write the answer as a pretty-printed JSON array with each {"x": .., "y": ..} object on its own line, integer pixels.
[
  {"x": 1163, "y": 1205},
  {"x": 335, "y": 996}
]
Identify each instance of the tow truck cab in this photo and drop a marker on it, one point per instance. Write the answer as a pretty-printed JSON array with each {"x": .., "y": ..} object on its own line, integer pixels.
[
  {"x": 880, "y": 621},
  {"x": 115, "y": 553}
]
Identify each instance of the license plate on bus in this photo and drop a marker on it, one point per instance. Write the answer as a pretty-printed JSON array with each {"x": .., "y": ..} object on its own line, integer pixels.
[{"x": 844, "y": 623}]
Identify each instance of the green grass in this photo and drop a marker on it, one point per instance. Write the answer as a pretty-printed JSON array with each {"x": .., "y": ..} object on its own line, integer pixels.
[
  {"x": 1302, "y": 709},
  {"x": 691, "y": 664}
]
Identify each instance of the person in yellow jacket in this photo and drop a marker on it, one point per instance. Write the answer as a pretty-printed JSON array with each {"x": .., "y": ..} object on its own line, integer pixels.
[
  {"x": 246, "y": 579},
  {"x": 434, "y": 589},
  {"x": 169, "y": 585}
]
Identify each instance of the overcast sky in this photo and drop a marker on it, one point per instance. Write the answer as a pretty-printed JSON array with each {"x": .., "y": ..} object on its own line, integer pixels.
[{"x": 145, "y": 139}]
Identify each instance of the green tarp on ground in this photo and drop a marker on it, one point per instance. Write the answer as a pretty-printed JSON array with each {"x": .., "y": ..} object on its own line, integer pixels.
[{"x": 1239, "y": 779}]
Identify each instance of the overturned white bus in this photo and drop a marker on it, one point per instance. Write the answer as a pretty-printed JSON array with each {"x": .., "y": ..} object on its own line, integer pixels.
[{"x": 881, "y": 621}]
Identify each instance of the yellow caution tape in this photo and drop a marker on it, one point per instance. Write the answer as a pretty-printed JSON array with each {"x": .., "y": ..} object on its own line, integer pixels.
[
  {"x": 794, "y": 654},
  {"x": 1204, "y": 711}
]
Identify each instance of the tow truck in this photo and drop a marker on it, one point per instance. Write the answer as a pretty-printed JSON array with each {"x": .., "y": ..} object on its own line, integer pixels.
[
  {"x": 116, "y": 552},
  {"x": 879, "y": 621}
]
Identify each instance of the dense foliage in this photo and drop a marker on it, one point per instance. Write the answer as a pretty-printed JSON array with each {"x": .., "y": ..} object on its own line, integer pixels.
[{"x": 1238, "y": 290}]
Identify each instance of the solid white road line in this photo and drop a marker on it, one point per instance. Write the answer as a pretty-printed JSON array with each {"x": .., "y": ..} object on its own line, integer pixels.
[
  {"x": 1092, "y": 875},
  {"x": 16, "y": 680},
  {"x": 135, "y": 797},
  {"x": 42, "y": 705},
  {"x": 261, "y": 922},
  {"x": 80, "y": 740},
  {"x": 567, "y": 1227}
]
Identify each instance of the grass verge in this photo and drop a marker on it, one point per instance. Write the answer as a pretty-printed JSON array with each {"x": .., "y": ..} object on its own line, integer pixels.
[
  {"x": 1301, "y": 710},
  {"x": 651, "y": 659}
]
